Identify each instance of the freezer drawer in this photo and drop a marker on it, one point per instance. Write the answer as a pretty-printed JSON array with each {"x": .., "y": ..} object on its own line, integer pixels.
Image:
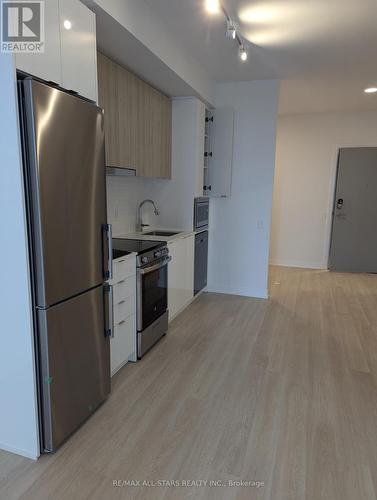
[{"x": 75, "y": 364}]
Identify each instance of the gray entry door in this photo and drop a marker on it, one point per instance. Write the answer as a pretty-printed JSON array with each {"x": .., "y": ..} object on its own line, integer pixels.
[{"x": 354, "y": 229}]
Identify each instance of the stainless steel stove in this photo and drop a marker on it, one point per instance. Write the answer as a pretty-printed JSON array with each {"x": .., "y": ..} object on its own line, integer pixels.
[{"x": 151, "y": 287}]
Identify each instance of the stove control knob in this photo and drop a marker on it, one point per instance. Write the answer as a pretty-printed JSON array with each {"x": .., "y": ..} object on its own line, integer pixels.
[
  {"x": 157, "y": 254},
  {"x": 144, "y": 260}
]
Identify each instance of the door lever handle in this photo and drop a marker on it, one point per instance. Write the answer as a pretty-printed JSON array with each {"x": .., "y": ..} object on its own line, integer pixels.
[{"x": 339, "y": 203}]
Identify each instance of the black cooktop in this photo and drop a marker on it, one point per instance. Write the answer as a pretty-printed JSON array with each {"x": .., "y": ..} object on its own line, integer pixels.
[{"x": 139, "y": 246}]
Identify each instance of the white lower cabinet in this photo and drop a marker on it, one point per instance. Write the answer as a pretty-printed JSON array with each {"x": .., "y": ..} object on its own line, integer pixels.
[
  {"x": 123, "y": 342},
  {"x": 180, "y": 274}
]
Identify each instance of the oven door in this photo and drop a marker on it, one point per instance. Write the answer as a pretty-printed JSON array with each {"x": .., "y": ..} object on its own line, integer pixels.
[
  {"x": 201, "y": 213},
  {"x": 152, "y": 292}
]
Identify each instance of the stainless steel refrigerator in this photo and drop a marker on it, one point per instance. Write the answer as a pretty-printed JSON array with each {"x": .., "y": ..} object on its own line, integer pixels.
[{"x": 70, "y": 249}]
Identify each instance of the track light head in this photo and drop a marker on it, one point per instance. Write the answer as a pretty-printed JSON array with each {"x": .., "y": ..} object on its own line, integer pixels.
[
  {"x": 243, "y": 54},
  {"x": 230, "y": 30}
]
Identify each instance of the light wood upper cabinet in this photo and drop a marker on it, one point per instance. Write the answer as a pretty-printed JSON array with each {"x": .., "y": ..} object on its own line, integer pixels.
[
  {"x": 108, "y": 99},
  {"x": 126, "y": 109},
  {"x": 166, "y": 136},
  {"x": 137, "y": 121}
]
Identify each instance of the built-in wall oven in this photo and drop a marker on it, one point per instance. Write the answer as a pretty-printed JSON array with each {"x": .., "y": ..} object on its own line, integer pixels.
[{"x": 201, "y": 213}]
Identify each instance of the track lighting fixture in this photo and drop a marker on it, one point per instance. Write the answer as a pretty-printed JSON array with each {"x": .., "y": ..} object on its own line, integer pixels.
[
  {"x": 230, "y": 30},
  {"x": 214, "y": 6}
]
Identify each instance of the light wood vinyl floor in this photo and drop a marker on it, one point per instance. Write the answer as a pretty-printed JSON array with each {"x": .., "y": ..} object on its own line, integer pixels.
[{"x": 281, "y": 391}]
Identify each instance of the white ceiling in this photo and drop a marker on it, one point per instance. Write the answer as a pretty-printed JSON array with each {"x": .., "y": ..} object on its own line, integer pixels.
[{"x": 325, "y": 51}]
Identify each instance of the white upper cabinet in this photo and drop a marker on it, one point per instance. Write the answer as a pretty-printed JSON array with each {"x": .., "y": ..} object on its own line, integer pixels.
[
  {"x": 45, "y": 65},
  {"x": 70, "y": 56},
  {"x": 78, "y": 48},
  {"x": 220, "y": 156}
]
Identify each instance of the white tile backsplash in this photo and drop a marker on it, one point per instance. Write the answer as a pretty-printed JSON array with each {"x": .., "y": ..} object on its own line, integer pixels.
[{"x": 124, "y": 194}]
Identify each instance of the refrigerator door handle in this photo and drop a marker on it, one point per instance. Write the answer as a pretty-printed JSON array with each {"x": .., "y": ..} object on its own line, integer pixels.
[
  {"x": 108, "y": 250},
  {"x": 109, "y": 310}
]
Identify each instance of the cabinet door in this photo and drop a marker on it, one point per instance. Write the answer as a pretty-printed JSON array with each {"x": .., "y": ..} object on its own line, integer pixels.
[
  {"x": 78, "y": 48},
  {"x": 108, "y": 100},
  {"x": 127, "y": 107},
  {"x": 46, "y": 65},
  {"x": 154, "y": 140},
  {"x": 166, "y": 137},
  {"x": 146, "y": 162},
  {"x": 220, "y": 164},
  {"x": 173, "y": 271},
  {"x": 123, "y": 344},
  {"x": 177, "y": 277}
]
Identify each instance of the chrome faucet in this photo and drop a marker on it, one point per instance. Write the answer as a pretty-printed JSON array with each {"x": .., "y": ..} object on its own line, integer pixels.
[{"x": 140, "y": 225}]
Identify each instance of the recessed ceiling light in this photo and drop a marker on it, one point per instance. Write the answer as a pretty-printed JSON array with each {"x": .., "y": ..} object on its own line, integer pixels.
[
  {"x": 243, "y": 54},
  {"x": 370, "y": 90},
  {"x": 67, "y": 24},
  {"x": 212, "y": 6}
]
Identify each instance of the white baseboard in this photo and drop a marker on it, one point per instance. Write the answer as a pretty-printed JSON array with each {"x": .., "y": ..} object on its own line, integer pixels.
[
  {"x": 16, "y": 451},
  {"x": 297, "y": 263},
  {"x": 242, "y": 291}
]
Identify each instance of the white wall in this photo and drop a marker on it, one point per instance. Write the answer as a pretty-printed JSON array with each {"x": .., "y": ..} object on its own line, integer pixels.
[
  {"x": 18, "y": 410},
  {"x": 240, "y": 225},
  {"x": 175, "y": 197},
  {"x": 141, "y": 21},
  {"x": 306, "y": 157}
]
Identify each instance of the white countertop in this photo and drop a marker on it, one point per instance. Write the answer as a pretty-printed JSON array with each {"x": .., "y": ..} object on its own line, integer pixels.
[{"x": 143, "y": 236}]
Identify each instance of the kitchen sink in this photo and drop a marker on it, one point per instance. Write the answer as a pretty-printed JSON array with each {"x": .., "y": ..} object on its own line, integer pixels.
[{"x": 160, "y": 233}]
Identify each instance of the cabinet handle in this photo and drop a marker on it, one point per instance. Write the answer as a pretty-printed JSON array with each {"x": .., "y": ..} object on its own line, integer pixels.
[
  {"x": 121, "y": 322},
  {"x": 121, "y": 302}
]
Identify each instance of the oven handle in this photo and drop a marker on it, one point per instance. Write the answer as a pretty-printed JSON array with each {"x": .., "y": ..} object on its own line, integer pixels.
[{"x": 162, "y": 263}]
